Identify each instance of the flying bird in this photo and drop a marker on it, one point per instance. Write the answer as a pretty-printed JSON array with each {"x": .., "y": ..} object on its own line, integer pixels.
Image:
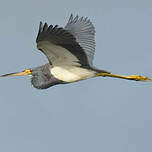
[{"x": 70, "y": 52}]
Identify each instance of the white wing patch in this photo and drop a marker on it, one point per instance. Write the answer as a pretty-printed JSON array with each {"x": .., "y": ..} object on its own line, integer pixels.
[{"x": 57, "y": 54}]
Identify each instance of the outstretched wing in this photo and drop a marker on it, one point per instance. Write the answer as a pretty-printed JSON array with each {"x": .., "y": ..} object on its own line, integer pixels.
[
  {"x": 84, "y": 32},
  {"x": 60, "y": 46}
]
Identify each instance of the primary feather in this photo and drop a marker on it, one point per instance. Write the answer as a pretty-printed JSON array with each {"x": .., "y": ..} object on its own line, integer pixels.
[{"x": 84, "y": 32}]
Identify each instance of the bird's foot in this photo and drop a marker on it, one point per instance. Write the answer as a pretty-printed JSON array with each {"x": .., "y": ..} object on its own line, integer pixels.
[
  {"x": 131, "y": 77},
  {"x": 139, "y": 78}
]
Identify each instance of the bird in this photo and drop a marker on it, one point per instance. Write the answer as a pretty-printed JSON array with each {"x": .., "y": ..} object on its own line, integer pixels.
[{"x": 70, "y": 52}]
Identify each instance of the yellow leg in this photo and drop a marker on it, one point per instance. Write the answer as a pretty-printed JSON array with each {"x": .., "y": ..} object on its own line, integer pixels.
[{"x": 130, "y": 77}]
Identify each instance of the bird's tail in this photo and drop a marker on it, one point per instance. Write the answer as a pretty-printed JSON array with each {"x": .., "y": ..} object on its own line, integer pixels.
[{"x": 130, "y": 77}]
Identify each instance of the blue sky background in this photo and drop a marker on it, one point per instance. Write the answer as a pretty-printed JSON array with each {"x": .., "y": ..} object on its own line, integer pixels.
[{"x": 100, "y": 114}]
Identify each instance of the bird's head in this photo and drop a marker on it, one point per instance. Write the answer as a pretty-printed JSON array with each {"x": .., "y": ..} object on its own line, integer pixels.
[{"x": 41, "y": 78}]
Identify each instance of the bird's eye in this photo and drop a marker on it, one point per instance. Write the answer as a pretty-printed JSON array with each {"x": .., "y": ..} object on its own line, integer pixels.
[{"x": 28, "y": 71}]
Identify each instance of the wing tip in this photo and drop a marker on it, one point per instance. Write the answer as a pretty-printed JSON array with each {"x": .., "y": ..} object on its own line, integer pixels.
[{"x": 73, "y": 20}]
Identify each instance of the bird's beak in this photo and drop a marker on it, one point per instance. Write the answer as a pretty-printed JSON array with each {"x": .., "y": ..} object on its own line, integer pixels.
[{"x": 26, "y": 72}]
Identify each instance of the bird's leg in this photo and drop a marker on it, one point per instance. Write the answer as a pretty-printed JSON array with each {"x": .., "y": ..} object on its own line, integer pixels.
[{"x": 130, "y": 77}]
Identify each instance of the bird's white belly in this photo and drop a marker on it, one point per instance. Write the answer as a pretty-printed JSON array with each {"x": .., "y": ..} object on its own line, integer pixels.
[{"x": 71, "y": 73}]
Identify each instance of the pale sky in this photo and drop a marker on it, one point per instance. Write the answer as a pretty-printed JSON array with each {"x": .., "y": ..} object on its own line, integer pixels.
[{"x": 95, "y": 115}]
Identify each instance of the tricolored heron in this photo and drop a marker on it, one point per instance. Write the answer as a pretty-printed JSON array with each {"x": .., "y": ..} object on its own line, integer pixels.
[{"x": 70, "y": 51}]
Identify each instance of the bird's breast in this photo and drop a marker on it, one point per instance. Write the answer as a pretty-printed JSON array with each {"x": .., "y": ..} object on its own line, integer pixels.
[{"x": 71, "y": 73}]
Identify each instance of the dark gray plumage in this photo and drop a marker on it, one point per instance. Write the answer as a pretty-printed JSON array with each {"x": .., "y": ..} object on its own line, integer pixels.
[
  {"x": 42, "y": 78},
  {"x": 84, "y": 32},
  {"x": 63, "y": 38}
]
